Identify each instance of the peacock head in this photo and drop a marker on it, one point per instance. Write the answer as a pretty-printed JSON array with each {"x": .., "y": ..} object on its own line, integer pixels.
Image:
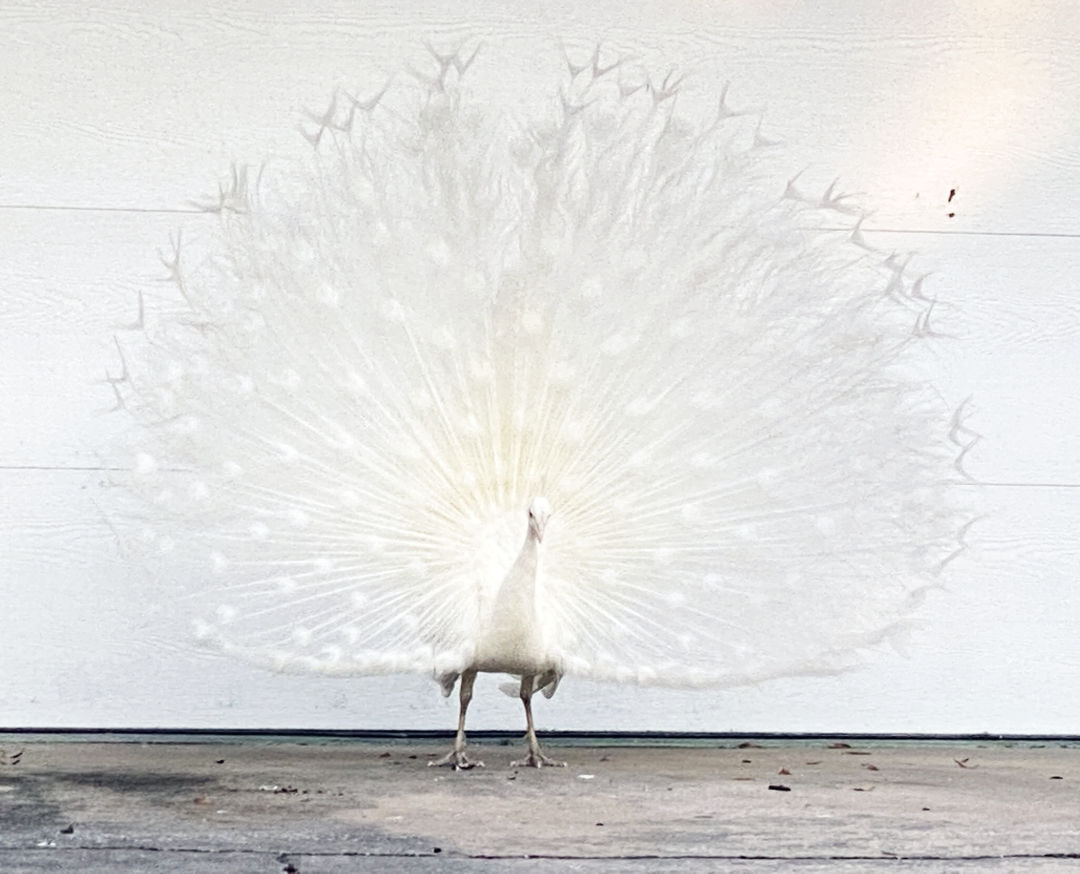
[{"x": 539, "y": 513}]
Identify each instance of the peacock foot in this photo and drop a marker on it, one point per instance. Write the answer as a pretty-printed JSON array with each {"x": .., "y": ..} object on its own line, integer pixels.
[
  {"x": 536, "y": 759},
  {"x": 457, "y": 760}
]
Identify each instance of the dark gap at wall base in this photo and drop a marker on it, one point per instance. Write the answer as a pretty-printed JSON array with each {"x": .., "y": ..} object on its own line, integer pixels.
[{"x": 585, "y": 738}]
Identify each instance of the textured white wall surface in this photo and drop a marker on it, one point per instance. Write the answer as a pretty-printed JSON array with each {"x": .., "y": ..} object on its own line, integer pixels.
[{"x": 118, "y": 116}]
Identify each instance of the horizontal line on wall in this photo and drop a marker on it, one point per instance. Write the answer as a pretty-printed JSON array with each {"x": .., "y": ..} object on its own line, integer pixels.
[
  {"x": 66, "y": 468},
  {"x": 944, "y": 232},
  {"x": 191, "y": 210},
  {"x": 63, "y": 468},
  {"x": 1001, "y": 485},
  {"x": 195, "y": 210}
]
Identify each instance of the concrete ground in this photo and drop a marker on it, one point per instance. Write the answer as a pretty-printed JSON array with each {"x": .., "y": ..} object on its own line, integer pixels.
[{"x": 218, "y": 804}]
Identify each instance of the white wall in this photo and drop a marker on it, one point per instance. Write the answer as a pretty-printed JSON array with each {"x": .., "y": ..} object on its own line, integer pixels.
[{"x": 113, "y": 119}]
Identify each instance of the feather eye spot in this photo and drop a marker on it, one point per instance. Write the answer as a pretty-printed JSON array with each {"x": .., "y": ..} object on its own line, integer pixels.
[
  {"x": 746, "y": 532},
  {"x": 231, "y": 470},
  {"x": 323, "y": 565},
  {"x": 563, "y": 372},
  {"x": 826, "y": 525},
  {"x": 289, "y": 379},
  {"x": 617, "y": 344},
  {"x": 304, "y": 252},
  {"x": 252, "y": 325},
  {"x": 165, "y": 398},
  {"x": 639, "y": 458},
  {"x": 354, "y": 383},
  {"x": 439, "y": 252},
  {"x": 690, "y": 513},
  {"x": 634, "y": 260},
  {"x": 188, "y": 425},
  {"x": 646, "y": 675},
  {"x": 342, "y": 441},
  {"x": 200, "y": 365},
  {"x": 145, "y": 464},
  {"x": 443, "y": 338},
  {"x": 393, "y": 311},
  {"x": 702, "y": 400},
  {"x": 771, "y": 408},
  {"x": 219, "y": 563},
  {"x": 302, "y": 636},
  {"x": 328, "y": 295},
  {"x": 574, "y": 430},
  {"x": 241, "y": 384},
  {"x": 768, "y": 477},
  {"x": 380, "y": 233},
  {"x": 592, "y": 288},
  {"x": 225, "y": 613},
  {"x": 166, "y": 545},
  {"x": 331, "y": 654},
  {"x": 198, "y": 491},
  {"x": 259, "y": 530},
  {"x": 286, "y": 585},
  {"x": 532, "y": 323},
  {"x": 299, "y": 518},
  {"x": 287, "y": 453},
  {"x": 348, "y": 498},
  {"x": 863, "y": 464},
  {"x": 481, "y": 371},
  {"x": 680, "y": 329}
]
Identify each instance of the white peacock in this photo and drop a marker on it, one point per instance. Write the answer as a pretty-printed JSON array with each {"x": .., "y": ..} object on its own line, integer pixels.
[{"x": 579, "y": 396}]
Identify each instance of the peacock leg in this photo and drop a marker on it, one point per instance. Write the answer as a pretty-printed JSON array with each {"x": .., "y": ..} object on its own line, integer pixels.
[
  {"x": 535, "y": 759},
  {"x": 456, "y": 758}
]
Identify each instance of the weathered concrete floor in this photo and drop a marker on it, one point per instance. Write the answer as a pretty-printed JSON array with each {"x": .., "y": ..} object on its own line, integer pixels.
[{"x": 227, "y": 805}]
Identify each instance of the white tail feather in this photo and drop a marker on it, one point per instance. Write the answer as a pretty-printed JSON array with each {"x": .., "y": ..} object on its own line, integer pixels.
[{"x": 392, "y": 352}]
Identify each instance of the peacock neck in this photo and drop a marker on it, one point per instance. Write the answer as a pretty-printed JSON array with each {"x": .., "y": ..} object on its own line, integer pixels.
[
  {"x": 515, "y": 601},
  {"x": 528, "y": 562}
]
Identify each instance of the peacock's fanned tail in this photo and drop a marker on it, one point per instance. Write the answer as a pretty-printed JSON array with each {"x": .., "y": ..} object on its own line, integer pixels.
[{"x": 392, "y": 350}]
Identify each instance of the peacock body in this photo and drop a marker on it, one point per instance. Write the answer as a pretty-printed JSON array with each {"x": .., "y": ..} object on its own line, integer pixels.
[{"x": 579, "y": 395}]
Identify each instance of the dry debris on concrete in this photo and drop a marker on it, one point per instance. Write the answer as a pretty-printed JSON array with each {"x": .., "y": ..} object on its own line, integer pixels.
[{"x": 326, "y": 805}]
